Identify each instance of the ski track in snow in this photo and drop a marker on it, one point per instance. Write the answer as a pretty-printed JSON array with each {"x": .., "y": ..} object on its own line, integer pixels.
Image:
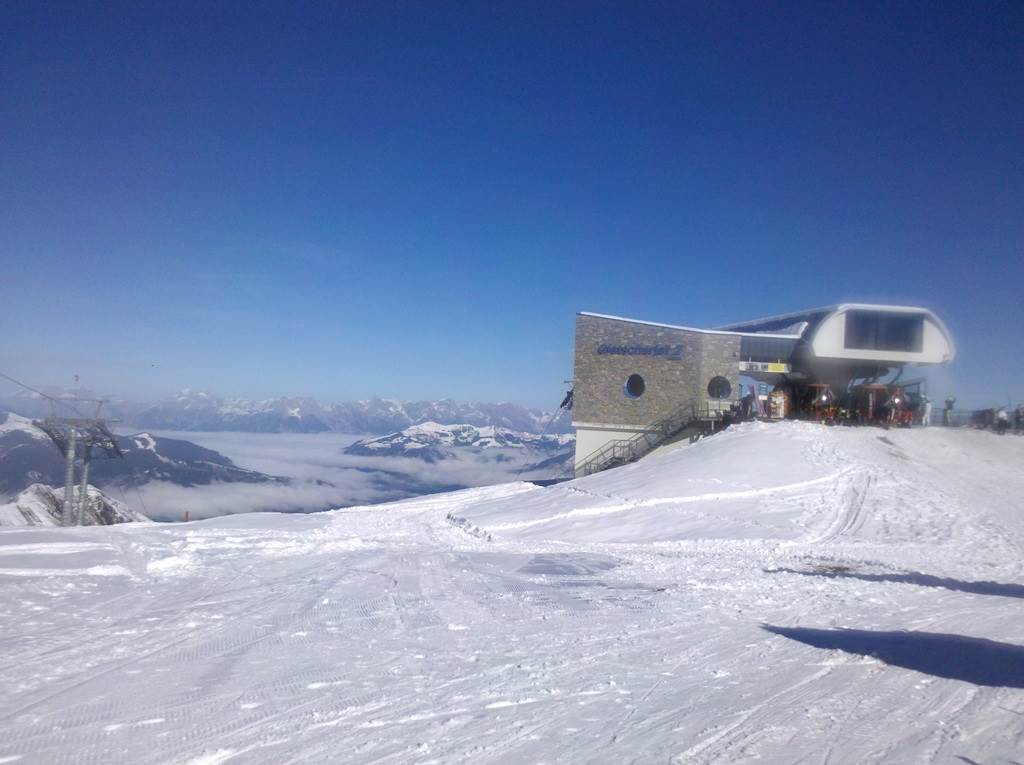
[{"x": 618, "y": 618}]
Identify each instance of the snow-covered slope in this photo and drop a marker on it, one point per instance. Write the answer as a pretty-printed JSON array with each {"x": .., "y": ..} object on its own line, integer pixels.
[
  {"x": 756, "y": 481},
  {"x": 40, "y": 505},
  {"x": 779, "y": 593}
]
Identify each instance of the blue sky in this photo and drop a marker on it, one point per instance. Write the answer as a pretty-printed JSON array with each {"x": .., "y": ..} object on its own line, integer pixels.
[{"x": 414, "y": 199}]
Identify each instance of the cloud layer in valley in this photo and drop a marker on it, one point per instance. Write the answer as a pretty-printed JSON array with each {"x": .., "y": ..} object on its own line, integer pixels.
[{"x": 321, "y": 476}]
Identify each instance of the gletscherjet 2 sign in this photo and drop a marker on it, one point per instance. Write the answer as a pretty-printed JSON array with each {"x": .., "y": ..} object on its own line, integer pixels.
[{"x": 669, "y": 352}]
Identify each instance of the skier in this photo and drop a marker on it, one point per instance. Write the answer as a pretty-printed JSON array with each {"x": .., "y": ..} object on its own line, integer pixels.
[
  {"x": 894, "y": 404},
  {"x": 926, "y": 412},
  {"x": 747, "y": 407},
  {"x": 1018, "y": 419},
  {"x": 1002, "y": 420},
  {"x": 947, "y": 415}
]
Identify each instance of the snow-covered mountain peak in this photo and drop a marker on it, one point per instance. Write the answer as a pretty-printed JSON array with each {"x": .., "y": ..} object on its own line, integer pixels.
[
  {"x": 10, "y": 422},
  {"x": 41, "y": 505},
  {"x": 188, "y": 396},
  {"x": 434, "y": 428},
  {"x": 144, "y": 441},
  {"x": 433, "y": 441}
]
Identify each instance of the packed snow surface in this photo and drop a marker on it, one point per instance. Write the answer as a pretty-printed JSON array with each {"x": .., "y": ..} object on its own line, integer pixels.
[{"x": 779, "y": 593}]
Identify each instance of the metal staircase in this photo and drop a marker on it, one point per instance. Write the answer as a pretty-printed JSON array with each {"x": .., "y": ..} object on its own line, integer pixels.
[{"x": 699, "y": 413}]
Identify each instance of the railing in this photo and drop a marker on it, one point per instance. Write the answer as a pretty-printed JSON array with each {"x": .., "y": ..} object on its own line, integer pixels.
[
  {"x": 969, "y": 418},
  {"x": 953, "y": 417},
  {"x": 624, "y": 450}
]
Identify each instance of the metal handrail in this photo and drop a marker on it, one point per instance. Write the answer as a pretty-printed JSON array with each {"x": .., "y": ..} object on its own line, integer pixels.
[{"x": 631, "y": 449}]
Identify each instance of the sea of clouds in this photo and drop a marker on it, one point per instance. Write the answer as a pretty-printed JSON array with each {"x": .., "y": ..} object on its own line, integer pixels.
[{"x": 321, "y": 476}]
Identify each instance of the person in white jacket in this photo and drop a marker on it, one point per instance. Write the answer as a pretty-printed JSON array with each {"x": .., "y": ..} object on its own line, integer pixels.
[
  {"x": 926, "y": 412},
  {"x": 1002, "y": 420}
]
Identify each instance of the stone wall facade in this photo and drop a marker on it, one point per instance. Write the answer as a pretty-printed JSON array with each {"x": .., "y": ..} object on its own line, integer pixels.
[{"x": 675, "y": 364}]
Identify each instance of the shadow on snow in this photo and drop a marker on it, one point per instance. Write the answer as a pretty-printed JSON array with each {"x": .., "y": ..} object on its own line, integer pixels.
[
  {"x": 973, "y": 660},
  {"x": 923, "y": 580}
]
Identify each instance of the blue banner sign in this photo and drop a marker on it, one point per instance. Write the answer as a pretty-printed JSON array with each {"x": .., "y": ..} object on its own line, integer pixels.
[{"x": 671, "y": 352}]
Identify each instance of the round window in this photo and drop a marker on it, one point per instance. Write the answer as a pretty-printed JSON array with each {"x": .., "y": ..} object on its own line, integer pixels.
[
  {"x": 719, "y": 387},
  {"x": 635, "y": 386}
]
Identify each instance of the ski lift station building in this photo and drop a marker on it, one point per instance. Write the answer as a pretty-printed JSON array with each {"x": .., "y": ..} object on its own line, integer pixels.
[{"x": 632, "y": 376}]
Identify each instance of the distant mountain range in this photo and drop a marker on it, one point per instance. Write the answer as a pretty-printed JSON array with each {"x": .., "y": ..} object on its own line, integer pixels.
[
  {"x": 199, "y": 411},
  {"x": 433, "y": 442},
  {"x": 27, "y": 456}
]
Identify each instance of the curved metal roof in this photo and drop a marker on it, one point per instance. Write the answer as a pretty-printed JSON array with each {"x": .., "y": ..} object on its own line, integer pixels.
[
  {"x": 716, "y": 331},
  {"x": 789, "y": 329},
  {"x": 812, "y": 316}
]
